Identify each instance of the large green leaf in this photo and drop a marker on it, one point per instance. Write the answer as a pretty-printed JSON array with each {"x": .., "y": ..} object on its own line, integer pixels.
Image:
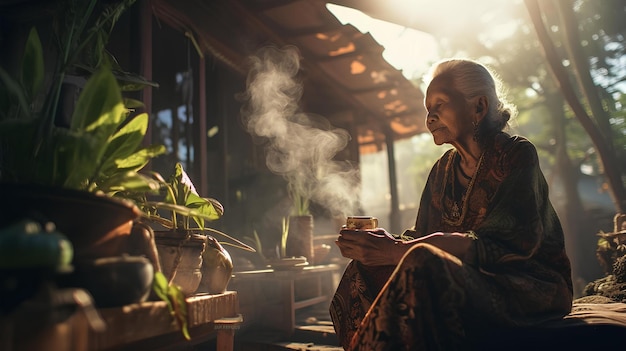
[
  {"x": 128, "y": 182},
  {"x": 32, "y": 70},
  {"x": 197, "y": 214},
  {"x": 124, "y": 142},
  {"x": 140, "y": 158},
  {"x": 160, "y": 288},
  {"x": 193, "y": 200},
  {"x": 180, "y": 209},
  {"x": 180, "y": 184},
  {"x": 132, "y": 103},
  {"x": 184, "y": 196},
  {"x": 100, "y": 108},
  {"x": 175, "y": 299},
  {"x": 99, "y": 148},
  {"x": 74, "y": 154},
  {"x": 203, "y": 206},
  {"x": 99, "y": 113},
  {"x": 179, "y": 303}
]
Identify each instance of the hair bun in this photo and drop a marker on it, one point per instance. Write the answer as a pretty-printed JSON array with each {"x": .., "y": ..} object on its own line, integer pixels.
[{"x": 506, "y": 115}]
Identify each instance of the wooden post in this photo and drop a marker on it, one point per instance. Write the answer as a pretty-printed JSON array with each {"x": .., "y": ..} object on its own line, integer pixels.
[
  {"x": 394, "y": 213},
  {"x": 202, "y": 116},
  {"x": 145, "y": 64},
  {"x": 225, "y": 328}
]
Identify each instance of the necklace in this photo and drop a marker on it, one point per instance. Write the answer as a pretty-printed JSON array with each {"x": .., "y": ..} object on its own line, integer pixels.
[
  {"x": 458, "y": 211},
  {"x": 458, "y": 166},
  {"x": 458, "y": 198}
]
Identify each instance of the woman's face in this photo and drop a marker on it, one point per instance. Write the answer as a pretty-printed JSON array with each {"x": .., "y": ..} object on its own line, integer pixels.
[{"x": 449, "y": 117}]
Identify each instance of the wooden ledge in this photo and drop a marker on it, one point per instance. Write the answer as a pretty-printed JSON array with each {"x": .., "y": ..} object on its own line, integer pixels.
[{"x": 133, "y": 323}]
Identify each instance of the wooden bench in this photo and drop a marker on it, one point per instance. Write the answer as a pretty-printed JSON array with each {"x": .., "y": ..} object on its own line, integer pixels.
[{"x": 590, "y": 326}]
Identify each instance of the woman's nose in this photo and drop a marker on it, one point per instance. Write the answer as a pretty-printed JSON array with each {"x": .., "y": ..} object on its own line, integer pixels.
[{"x": 430, "y": 117}]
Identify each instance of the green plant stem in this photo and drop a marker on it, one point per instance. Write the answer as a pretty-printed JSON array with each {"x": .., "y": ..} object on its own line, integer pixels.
[
  {"x": 283, "y": 238},
  {"x": 70, "y": 55},
  {"x": 74, "y": 33},
  {"x": 259, "y": 245},
  {"x": 171, "y": 192},
  {"x": 238, "y": 244}
]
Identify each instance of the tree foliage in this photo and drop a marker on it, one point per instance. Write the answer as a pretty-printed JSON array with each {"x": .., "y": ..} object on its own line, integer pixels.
[{"x": 583, "y": 45}]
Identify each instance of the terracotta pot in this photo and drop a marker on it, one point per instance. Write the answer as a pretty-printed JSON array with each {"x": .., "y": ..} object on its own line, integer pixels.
[
  {"x": 217, "y": 268},
  {"x": 180, "y": 255},
  {"x": 97, "y": 225},
  {"x": 300, "y": 238}
]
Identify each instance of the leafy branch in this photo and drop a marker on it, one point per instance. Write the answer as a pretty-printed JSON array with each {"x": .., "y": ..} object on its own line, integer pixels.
[
  {"x": 184, "y": 204},
  {"x": 175, "y": 299}
]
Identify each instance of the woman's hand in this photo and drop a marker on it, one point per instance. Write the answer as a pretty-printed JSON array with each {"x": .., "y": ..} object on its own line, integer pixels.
[
  {"x": 371, "y": 247},
  {"x": 376, "y": 247}
]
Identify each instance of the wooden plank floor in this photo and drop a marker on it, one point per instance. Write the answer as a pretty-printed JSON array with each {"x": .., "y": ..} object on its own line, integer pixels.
[
  {"x": 588, "y": 327},
  {"x": 314, "y": 332}
]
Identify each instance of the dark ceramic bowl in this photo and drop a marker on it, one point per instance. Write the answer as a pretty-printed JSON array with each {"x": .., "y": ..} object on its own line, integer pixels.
[{"x": 115, "y": 281}]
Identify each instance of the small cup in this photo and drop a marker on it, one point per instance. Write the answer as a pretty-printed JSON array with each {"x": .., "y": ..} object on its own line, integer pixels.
[{"x": 361, "y": 222}]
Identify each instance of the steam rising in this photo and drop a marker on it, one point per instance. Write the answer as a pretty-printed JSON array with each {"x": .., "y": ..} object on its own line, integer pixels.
[{"x": 300, "y": 146}]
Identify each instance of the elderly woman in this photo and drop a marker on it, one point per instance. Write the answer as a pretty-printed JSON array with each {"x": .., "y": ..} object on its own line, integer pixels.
[{"x": 487, "y": 248}]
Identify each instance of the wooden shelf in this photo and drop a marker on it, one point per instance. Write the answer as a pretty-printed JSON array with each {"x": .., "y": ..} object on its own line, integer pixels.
[
  {"x": 133, "y": 323},
  {"x": 310, "y": 302},
  {"x": 145, "y": 326},
  {"x": 270, "y": 298}
]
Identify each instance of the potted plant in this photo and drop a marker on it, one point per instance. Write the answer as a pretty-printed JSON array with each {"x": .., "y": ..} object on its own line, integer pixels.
[
  {"x": 46, "y": 164},
  {"x": 190, "y": 261},
  {"x": 189, "y": 258},
  {"x": 299, "y": 241},
  {"x": 68, "y": 171}
]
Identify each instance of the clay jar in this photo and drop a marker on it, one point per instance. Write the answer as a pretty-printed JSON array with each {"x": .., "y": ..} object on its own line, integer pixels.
[
  {"x": 217, "y": 268},
  {"x": 180, "y": 254}
]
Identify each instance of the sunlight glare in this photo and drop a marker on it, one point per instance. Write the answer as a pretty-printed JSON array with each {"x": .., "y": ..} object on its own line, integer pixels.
[
  {"x": 407, "y": 49},
  {"x": 413, "y": 51}
]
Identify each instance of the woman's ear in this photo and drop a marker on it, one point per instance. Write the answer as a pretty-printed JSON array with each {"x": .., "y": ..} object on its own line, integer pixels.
[{"x": 482, "y": 106}]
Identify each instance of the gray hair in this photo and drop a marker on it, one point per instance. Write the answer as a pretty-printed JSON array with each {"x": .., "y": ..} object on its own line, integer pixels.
[{"x": 473, "y": 79}]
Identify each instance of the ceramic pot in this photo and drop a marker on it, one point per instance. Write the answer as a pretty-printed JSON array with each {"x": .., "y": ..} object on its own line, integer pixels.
[
  {"x": 180, "y": 255},
  {"x": 300, "y": 238},
  {"x": 114, "y": 281},
  {"x": 97, "y": 225},
  {"x": 217, "y": 268},
  {"x": 321, "y": 253}
]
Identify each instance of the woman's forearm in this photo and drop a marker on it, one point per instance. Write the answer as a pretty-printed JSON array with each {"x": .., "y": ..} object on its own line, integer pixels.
[{"x": 456, "y": 244}]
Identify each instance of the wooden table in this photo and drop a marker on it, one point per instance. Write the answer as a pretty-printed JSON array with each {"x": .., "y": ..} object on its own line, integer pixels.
[
  {"x": 145, "y": 326},
  {"x": 270, "y": 298}
]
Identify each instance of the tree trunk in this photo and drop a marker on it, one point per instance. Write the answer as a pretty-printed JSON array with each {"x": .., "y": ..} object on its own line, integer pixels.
[
  {"x": 607, "y": 157},
  {"x": 577, "y": 229},
  {"x": 582, "y": 70}
]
